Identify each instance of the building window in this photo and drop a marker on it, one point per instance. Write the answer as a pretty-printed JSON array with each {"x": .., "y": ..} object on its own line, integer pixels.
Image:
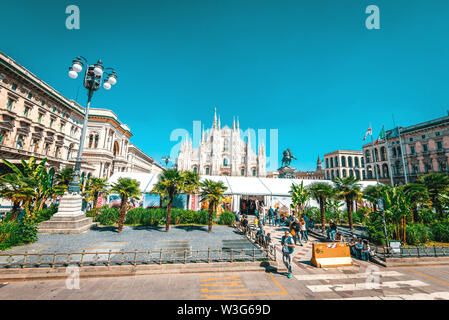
[
  {"x": 424, "y": 148},
  {"x": 57, "y": 152},
  {"x": 19, "y": 144},
  {"x": 439, "y": 145},
  {"x": 2, "y": 136},
  {"x": 14, "y": 86},
  {"x": 356, "y": 162},
  {"x": 195, "y": 170},
  {"x": 350, "y": 162},
  {"x": 423, "y": 136},
  {"x": 332, "y": 162},
  {"x": 327, "y": 163},
  {"x": 39, "y": 119},
  {"x": 43, "y": 103},
  {"x": 25, "y": 113},
  {"x": 54, "y": 109},
  {"x": 336, "y": 161},
  {"x": 225, "y": 162},
  {"x": 9, "y": 104},
  {"x": 242, "y": 172},
  {"x": 411, "y": 139},
  {"x": 207, "y": 171},
  {"x": 30, "y": 95},
  {"x": 254, "y": 172},
  {"x": 412, "y": 150},
  {"x": 362, "y": 160},
  {"x": 96, "y": 141},
  {"x": 51, "y": 123},
  {"x": 343, "y": 161},
  {"x": 437, "y": 133}
]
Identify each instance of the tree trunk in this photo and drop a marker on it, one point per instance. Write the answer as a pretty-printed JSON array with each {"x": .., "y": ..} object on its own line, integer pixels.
[
  {"x": 167, "y": 219},
  {"x": 121, "y": 220},
  {"x": 323, "y": 218},
  {"x": 188, "y": 200},
  {"x": 15, "y": 209},
  {"x": 95, "y": 199},
  {"x": 349, "y": 207},
  {"x": 211, "y": 214}
]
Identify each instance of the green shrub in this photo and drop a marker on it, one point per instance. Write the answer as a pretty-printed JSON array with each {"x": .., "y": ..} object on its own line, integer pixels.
[
  {"x": 226, "y": 218},
  {"x": 417, "y": 233},
  {"x": 440, "y": 231},
  {"x": 375, "y": 229},
  {"x": 108, "y": 216},
  {"x": 47, "y": 213},
  {"x": 28, "y": 229},
  {"x": 10, "y": 235}
]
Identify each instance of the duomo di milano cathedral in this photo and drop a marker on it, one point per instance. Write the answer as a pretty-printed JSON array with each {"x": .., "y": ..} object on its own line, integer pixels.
[{"x": 222, "y": 152}]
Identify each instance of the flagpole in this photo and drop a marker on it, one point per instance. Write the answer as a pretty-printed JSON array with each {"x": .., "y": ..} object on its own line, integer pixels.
[
  {"x": 402, "y": 151},
  {"x": 374, "y": 155},
  {"x": 389, "y": 162}
]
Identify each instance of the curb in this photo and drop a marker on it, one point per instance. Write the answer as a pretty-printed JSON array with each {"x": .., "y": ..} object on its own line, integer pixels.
[{"x": 30, "y": 274}]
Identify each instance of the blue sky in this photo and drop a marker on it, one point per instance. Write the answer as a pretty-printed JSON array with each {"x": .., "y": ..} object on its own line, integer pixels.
[{"x": 307, "y": 68}]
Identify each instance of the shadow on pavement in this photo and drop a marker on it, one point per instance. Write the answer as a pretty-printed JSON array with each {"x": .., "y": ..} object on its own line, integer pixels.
[{"x": 193, "y": 228}]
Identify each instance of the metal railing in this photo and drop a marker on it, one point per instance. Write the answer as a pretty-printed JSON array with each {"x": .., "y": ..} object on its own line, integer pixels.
[
  {"x": 110, "y": 258},
  {"x": 251, "y": 233},
  {"x": 413, "y": 252}
]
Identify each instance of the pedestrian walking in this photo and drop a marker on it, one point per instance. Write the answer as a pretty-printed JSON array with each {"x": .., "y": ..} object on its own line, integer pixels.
[
  {"x": 304, "y": 234},
  {"x": 288, "y": 248},
  {"x": 278, "y": 217},
  {"x": 295, "y": 231},
  {"x": 271, "y": 216}
]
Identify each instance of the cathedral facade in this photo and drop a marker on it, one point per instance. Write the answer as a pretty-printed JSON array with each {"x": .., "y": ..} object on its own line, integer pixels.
[{"x": 222, "y": 152}]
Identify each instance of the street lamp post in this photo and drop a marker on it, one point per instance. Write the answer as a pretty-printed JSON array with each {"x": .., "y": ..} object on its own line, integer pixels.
[
  {"x": 70, "y": 218},
  {"x": 92, "y": 81}
]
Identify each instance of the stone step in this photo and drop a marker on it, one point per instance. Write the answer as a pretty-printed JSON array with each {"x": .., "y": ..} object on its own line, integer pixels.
[{"x": 78, "y": 230}]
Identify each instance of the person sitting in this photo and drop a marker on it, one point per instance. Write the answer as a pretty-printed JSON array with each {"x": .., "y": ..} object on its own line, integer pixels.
[
  {"x": 365, "y": 250},
  {"x": 332, "y": 230},
  {"x": 352, "y": 244},
  {"x": 339, "y": 237},
  {"x": 358, "y": 248}
]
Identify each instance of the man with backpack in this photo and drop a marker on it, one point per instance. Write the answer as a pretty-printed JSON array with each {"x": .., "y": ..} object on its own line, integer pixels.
[
  {"x": 271, "y": 216},
  {"x": 288, "y": 248},
  {"x": 295, "y": 230}
]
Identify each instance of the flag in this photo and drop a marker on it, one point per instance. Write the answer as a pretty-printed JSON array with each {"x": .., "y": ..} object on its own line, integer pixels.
[
  {"x": 368, "y": 132},
  {"x": 381, "y": 136}
]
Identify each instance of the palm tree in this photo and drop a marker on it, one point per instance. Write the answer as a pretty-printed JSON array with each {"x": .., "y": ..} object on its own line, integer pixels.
[
  {"x": 436, "y": 184},
  {"x": 300, "y": 196},
  {"x": 349, "y": 190},
  {"x": 321, "y": 191},
  {"x": 170, "y": 184},
  {"x": 417, "y": 194},
  {"x": 126, "y": 188},
  {"x": 191, "y": 184},
  {"x": 371, "y": 194},
  {"x": 95, "y": 187},
  {"x": 212, "y": 192},
  {"x": 63, "y": 178}
]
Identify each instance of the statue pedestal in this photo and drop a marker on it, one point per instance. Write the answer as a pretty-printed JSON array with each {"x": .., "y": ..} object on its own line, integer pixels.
[
  {"x": 70, "y": 219},
  {"x": 286, "y": 173}
]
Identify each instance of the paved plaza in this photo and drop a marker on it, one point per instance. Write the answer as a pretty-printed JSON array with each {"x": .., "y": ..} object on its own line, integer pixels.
[
  {"x": 362, "y": 281},
  {"x": 140, "y": 238}
]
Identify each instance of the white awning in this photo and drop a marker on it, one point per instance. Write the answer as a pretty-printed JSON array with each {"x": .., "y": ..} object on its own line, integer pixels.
[{"x": 235, "y": 185}]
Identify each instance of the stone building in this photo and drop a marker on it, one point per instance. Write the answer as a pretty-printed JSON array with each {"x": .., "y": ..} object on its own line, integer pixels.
[
  {"x": 318, "y": 174},
  {"x": 37, "y": 121},
  {"x": 222, "y": 152},
  {"x": 108, "y": 149},
  {"x": 425, "y": 147},
  {"x": 344, "y": 163}
]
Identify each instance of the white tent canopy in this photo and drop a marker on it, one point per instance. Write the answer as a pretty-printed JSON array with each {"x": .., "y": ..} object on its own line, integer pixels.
[{"x": 236, "y": 185}]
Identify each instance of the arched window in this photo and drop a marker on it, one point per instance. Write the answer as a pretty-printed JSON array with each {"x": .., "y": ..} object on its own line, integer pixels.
[
  {"x": 91, "y": 139},
  {"x": 351, "y": 173},
  {"x": 357, "y": 173},
  {"x": 356, "y": 162},
  {"x": 332, "y": 162},
  {"x": 116, "y": 148},
  {"x": 362, "y": 161},
  {"x": 367, "y": 156},
  {"x": 343, "y": 162},
  {"x": 225, "y": 162},
  {"x": 242, "y": 172},
  {"x": 226, "y": 145},
  {"x": 343, "y": 173},
  {"x": 336, "y": 161},
  {"x": 364, "y": 174},
  {"x": 207, "y": 171},
  {"x": 51, "y": 172},
  {"x": 254, "y": 172},
  {"x": 96, "y": 140},
  {"x": 350, "y": 162},
  {"x": 195, "y": 169},
  {"x": 327, "y": 163}
]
